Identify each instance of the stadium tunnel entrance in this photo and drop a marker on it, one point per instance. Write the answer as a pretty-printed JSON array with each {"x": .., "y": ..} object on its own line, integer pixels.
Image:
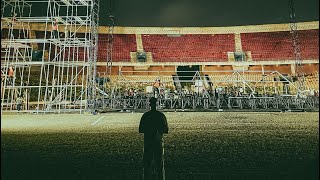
[{"x": 186, "y": 74}]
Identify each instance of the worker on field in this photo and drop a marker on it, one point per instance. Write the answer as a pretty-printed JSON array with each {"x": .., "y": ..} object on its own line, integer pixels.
[
  {"x": 153, "y": 124},
  {"x": 156, "y": 86},
  {"x": 19, "y": 102}
]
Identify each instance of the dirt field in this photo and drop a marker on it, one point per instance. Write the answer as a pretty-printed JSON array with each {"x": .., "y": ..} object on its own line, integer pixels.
[{"x": 199, "y": 146}]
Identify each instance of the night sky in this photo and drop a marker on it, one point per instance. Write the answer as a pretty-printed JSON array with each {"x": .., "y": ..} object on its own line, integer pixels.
[{"x": 196, "y": 13}]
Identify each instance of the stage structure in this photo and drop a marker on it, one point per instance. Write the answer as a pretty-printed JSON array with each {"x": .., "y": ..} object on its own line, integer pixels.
[
  {"x": 261, "y": 82},
  {"x": 110, "y": 41},
  {"x": 207, "y": 90},
  {"x": 295, "y": 45},
  {"x": 53, "y": 69}
]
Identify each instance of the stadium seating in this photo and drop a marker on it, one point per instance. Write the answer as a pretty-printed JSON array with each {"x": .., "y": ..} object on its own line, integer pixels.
[
  {"x": 123, "y": 44},
  {"x": 265, "y": 46},
  {"x": 189, "y": 48},
  {"x": 312, "y": 81},
  {"x": 309, "y": 44},
  {"x": 141, "y": 81}
]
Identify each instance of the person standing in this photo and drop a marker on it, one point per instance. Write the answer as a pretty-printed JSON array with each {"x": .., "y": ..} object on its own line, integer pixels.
[
  {"x": 66, "y": 33},
  {"x": 240, "y": 91},
  {"x": 55, "y": 29},
  {"x": 153, "y": 124},
  {"x": 19, "y": 103},
  {"x": 10, "y": 75},
  {"x": 156, "y": 86}
]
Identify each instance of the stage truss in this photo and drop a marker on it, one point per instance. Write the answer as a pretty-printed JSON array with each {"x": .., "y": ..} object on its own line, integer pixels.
[
  {"x": 260, "y": 90},
  {"x": 62, "y": 79}
]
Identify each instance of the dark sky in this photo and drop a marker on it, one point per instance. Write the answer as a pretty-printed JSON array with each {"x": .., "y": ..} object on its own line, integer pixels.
[{"x": 196, "y": 13}]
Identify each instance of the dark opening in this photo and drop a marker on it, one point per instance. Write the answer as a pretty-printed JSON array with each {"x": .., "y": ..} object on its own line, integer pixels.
[{"x": 186, "y": 73}]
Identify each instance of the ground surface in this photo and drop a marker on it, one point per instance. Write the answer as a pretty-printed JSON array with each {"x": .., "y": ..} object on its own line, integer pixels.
[{"x": 204, "y": 146}]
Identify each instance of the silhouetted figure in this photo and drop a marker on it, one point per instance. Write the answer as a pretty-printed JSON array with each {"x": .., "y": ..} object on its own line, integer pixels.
[{"x": 153, "y": 124}]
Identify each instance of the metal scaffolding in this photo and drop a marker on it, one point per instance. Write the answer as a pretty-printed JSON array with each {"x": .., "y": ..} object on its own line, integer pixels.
[
  {"x": 263, "y": 81},
  {"x": 52, "y": 70},
  {"x": 206, "y": 90},
  {"x": 295, "y": 45},
  {"x": 110, "y": 41}
]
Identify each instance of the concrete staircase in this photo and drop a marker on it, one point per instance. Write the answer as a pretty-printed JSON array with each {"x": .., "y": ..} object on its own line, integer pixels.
[
  {"x": 139, "y": 42},
  {"x": 133, "y": 55},
  {"x": 237, "y": 40},
  {"x": 238, "y": 48}
]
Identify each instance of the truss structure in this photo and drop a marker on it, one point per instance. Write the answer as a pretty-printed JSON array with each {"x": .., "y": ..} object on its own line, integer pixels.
[
  {"x": 110, "y": 45},
  {"x": 261, "y": 90},
  {"x": 105, "y": 77},
  {"x": 198, "y": 103},
  {"x": 53, "y": 71},
  {"x": 295, "y": 44},
  {"x": 263, "y": 83}
]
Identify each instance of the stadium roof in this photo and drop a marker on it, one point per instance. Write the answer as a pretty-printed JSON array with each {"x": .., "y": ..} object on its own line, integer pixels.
[{"x": 203, "y": 13}]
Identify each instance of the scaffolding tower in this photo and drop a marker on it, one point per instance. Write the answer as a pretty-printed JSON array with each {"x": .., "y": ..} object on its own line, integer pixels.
[
  {"x": 49, "y": 60},
  {"x": 295, "y": 45},
  {"x": 103, "y": 78},
  {"x": 110, "y": 40}
]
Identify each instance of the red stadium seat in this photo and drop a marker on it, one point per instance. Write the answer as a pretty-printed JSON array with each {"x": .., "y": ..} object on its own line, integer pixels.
[
  {"x": 123, "y": 44},
  {"x": 189, "y": 48},
  {"x": 266, "y": 46}
]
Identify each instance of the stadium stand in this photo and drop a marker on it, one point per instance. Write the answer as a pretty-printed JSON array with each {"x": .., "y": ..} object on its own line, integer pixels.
[
  {"x": 190, "y": 47},
  {"x": 309, "y": 44},
  {"x": 266, "y": 46},
  {"x": 142, "y": 80},
  {"x": 123, "y": 44}
]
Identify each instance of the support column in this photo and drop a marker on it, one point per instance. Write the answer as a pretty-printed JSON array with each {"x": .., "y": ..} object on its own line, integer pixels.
[
  {"x": 203, "y": 68},
  {"x": 120, "y": 68},
  {"x": 293, "y": 69}
]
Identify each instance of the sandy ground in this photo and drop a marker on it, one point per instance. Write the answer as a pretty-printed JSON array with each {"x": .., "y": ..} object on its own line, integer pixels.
[
  {"x": 32, "y": 123},
  {"x": 209, "y": 145}
]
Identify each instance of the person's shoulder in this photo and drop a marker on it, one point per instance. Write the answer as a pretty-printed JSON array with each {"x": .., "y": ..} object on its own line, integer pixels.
[
  {"x": 146, "y": 113},
  {"x": 161, "y": 113}
]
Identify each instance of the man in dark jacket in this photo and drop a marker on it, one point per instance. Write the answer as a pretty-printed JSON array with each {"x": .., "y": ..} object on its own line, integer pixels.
[{"x": 153, "y": 124}]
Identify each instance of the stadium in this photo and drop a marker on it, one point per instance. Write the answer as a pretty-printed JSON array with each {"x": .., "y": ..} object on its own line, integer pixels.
[{"x": 76, "y": 76}]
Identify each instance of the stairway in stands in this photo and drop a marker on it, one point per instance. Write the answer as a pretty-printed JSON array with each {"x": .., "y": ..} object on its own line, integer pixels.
[
  {"x": 176, "y": 82},
  {"x": 237, "y": 42},
  {"x": 139, "y": 42}
]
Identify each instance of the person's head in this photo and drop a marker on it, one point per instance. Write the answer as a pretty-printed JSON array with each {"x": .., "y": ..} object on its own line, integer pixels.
[{"x": 153, "y": 102}]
